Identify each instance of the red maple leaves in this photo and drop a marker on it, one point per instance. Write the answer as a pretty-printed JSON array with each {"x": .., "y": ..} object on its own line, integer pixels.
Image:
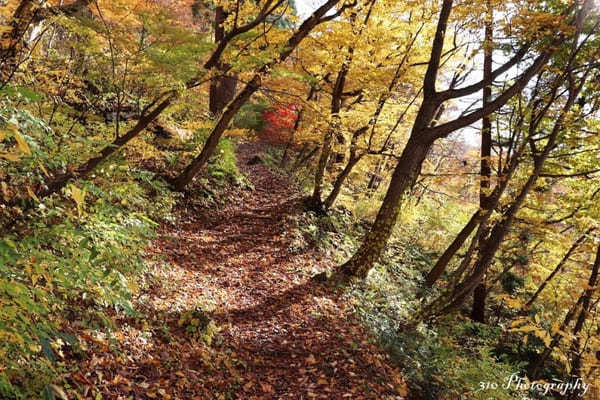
[{"x": 279, "y": 123}]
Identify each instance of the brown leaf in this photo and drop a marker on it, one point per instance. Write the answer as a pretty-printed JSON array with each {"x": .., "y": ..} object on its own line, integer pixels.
[{"x": 266, "y": 387}]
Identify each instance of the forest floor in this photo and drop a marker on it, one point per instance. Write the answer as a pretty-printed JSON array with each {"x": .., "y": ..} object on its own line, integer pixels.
[{"x": 277, "y": 334}]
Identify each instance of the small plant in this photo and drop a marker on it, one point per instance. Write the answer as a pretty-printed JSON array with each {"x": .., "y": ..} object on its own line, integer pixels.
[{"x": 197, "y": 323}]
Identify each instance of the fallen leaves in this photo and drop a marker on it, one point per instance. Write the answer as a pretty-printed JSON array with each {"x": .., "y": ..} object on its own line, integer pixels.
[{"x": 280, "y": 335}]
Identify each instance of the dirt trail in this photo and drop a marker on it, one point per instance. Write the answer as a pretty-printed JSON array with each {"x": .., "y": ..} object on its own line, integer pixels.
[{"x": 281, "y": 336}]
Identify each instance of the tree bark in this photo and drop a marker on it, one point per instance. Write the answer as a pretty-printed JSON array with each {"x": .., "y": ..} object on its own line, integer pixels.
[
  {"x": 315, "y": 201},
  {"x": 304, "y": 158},
  {"x": 286, "y": 152},
  {"x": 478, "y": 310},
  {"x": 336, "y": 104},
  {"x": 489, "y": 246},
  {"x": 339, "y": 181},
  {"x": 27, "y": 14},
  {"x": 60, "y": 181},
  {"x": 405, "y": 174},
  {"x": 575, "y": 349},
  {"x": 480, "y": 293},
  {"x": 213, "y": 140},
  {"x": 442, "y": 262},
  {"x": 222, "y": 86},
  {"x": 409, "y": 163},
  {"x": 423, "y": 135}
]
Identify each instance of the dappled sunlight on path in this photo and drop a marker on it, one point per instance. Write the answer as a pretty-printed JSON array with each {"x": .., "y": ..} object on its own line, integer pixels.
[{"x": 280, "y": 335}]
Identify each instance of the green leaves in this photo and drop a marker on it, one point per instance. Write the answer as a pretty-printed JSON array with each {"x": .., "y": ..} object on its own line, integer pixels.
[{"x": 21, "y": 93}]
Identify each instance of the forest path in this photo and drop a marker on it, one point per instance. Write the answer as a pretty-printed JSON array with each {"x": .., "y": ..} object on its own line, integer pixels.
[{"x": 281, "y": 336}]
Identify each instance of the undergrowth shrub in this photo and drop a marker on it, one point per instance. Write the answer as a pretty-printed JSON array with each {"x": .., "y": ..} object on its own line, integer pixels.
[
  {"x": 250, "y": 116},
  {"x": 69, "y": 259},
  {"x": 452, "y": 361}
]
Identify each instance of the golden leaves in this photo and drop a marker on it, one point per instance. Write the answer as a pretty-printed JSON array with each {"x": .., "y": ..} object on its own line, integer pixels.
[
  {"x": 78, "y": 196},
  {"x": 22, "y": 147}
]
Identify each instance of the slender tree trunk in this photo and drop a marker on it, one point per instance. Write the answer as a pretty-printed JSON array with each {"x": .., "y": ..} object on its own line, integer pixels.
[
  {"x": 316, "y": 202},
  {"x": 490, "y": 246},
  {"x": 336, "y": 104},
  {"x": 13, "y": 38},
  {"x": 375, "y": 176},
  {"x": 213, "y": 140},
  {"x": 300, "y": 155},
  {"x": 60, "y": 181},
  {"x": 480, "y": 293},
  {"x": 535, "y": 368},
  {"x": 286, "y": 152},
  {"x": 26, "y": 15},
  {"x": 442, "y": 262},
  {"x": 575, "y": 350},
  {"x": 339, "y": 181},
  {"x": 334, "y": 131},
  {"x": 478, "y": 310},
  {"x": 304, "y": 158}
]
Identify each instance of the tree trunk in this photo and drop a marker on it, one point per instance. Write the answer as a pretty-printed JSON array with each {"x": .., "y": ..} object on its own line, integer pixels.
[
  {"x": 478, "y": 312},
  {"x": 535, "y": 368},
  {"x": 575, "y": 350},
  {"x": 375, "y": 178},
  {"x": 60, "y": 181},
  {"x": 336, "y": 104},
  {"x": 442, "y": 262},
  {"x": 286, "y": 152},
  {"x": 316, "y": 202},
  {"x": 26, "y": 15},
  {"x": 407, "y": 170},
  {"x": 13, "y": 38},
  {"x": 213, "y": 140},
  {"x": 583, "y": 302},
  {"x": 409, "y": 163},
  {"x": 304, "y": 158},
  {"x": 489, "y": 247},
  {"x": 339, "y": 181},
  {"x": 222, "y": 86},
  {"x": 222, "y": 91}
]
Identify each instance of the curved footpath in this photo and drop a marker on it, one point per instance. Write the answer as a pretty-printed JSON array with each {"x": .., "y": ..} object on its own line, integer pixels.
[{"x": 280, "y": 336}]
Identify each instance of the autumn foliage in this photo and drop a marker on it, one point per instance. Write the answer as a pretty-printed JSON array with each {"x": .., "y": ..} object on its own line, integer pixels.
[
  {"x": 279, "y": 124},
  {"x": 267, "y": 200}
]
